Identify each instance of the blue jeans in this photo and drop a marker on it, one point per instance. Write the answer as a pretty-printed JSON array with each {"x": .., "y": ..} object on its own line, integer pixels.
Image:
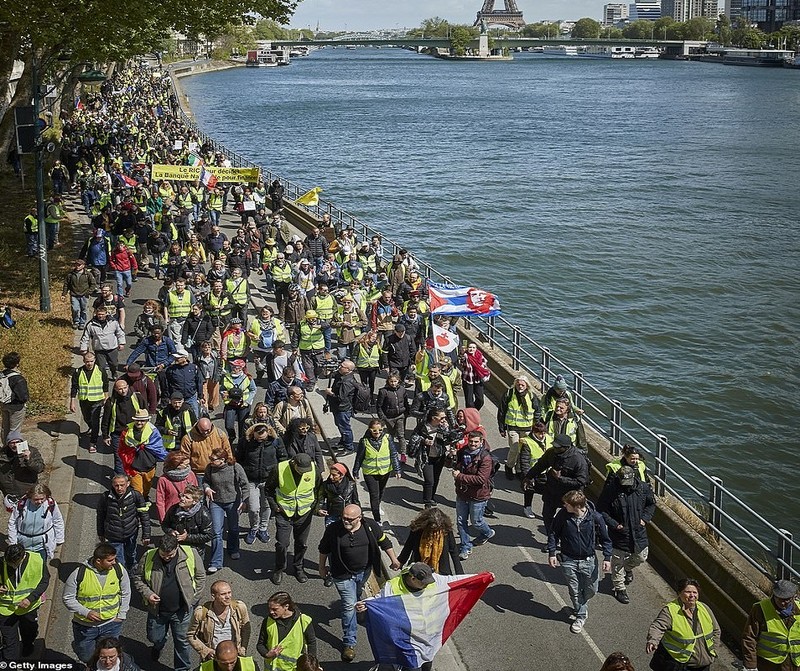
[
  {"x": 79, "y": 305},
  {"x": 327, "y": 333},
  {"x": 126, "y": 551},
  {"x": 224, "y": 515},
  {"x": 473, "y": 509},
  {"x": 124, "y": 281},
  {"x": 157, "y": 629},
  {"x": 342, "y": 420},
  {"x": 32, "y": 244},
  {"x": 52, "y": 234},
  {"x": 213, "y": 217},
  {"x": 193, "y": 403},
  {"x": 582, "y": 577},
  {"x": 84, "y": 637},
  {"x": 349, "y": 589}
]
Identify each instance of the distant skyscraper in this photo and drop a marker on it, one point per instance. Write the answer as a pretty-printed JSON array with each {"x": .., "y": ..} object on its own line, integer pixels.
[
  {"x": 645, "y": 10},
  {"x": 683, "y": 10},
  {"x": 770, "y": 15},
  {"x": 733, "y": 9},
  {"x": 613, "y": 14}
]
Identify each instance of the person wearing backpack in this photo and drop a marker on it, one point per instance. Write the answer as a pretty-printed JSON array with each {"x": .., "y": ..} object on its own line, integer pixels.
[
  {"x": 98, "y": 594},
  {"x": 20, "y": 465},
  {"x": 24, "y": 580},
  {"x": 36, "y": 522},
  {"x": 13, "y": 394},
  {"x": 341, "y": 395}
]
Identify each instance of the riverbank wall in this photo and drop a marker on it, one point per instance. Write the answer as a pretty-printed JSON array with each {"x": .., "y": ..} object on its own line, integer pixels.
[{"x": 681, "y": 544}]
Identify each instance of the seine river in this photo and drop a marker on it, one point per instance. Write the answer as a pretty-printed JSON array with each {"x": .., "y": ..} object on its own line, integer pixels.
[{"x": 640, "y": 218}]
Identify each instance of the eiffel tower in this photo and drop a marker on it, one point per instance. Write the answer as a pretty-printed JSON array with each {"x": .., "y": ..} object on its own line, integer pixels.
[{"x": 510, "y": 16}]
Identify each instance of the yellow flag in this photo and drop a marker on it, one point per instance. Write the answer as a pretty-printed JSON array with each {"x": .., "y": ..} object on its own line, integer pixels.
[{"x": 310, "y": 198}]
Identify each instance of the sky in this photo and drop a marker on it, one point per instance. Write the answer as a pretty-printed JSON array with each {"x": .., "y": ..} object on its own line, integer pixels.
[{"x": 367, "y": 14}]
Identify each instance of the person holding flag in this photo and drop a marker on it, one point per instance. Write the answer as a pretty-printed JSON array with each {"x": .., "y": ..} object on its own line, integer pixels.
[{"x": 415, "y": 613}]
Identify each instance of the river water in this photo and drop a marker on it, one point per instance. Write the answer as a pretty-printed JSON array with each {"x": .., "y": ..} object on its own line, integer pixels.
[{"x": 640, "y": 218}]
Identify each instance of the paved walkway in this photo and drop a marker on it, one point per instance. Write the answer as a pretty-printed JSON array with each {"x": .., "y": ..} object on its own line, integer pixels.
[{"x": 520, "y": 623}]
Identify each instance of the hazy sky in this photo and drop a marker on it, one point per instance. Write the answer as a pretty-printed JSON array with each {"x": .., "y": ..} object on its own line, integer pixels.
[{"x": 365, "y": 14}]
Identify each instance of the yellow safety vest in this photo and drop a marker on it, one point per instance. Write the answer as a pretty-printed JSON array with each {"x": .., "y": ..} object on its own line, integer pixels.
[
  {"x": 214, "y": 202},
  {"x": 169, "y": 441},
  {"x": 293, "y": 644},
  {"x": 102, "y": 599},
  {"x": 34, "y": 223},
  {"x": 518, "y": 417},
  {"x": 150, "y": 557},
  {"x": 348, "y": 275},
  {"x": 778, "y": 642},
  {"x": 113, "y": 423},
  {"x": 296, "y": 498},
  {"x": 147, "y": 431},
  {"x": 219, "y": 306},
  {"x": 535, "y": 448},
  {"x": 679, "y": 641},
  {"x": 236, "y": 349},
  {"x": 367, "y": 358},
  {"x": 354, "y": 319},
  {"x": 237, "y": 290},
  {"x": 178, "y": 307},
  {"x": 28, "y": 581},
  {"x": 256, "y": 328},
  {"x": 129, "y": 242},
  {"x": 281, "y": 274},
  {"x": 425, "y": 384},
  {"x": 228, "y": 384},
  {"x": 245, "y": 664},
  {"x": 377, "y": 462},
  {"x": 269, "y": 254},
  {"x": 56, "y": 217},
  {"x": 325, "y": 306},
  {"x": 311, "y": 337},
  {"x": 614, "y": 466},
  {"x": 91, "y": 388}
]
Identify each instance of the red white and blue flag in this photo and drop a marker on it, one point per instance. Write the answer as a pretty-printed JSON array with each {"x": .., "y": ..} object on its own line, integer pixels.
[
  {"x": 456, "y": 301},
  {"x": 207, "y": 178},
  {"x": 409, "y": 629}
]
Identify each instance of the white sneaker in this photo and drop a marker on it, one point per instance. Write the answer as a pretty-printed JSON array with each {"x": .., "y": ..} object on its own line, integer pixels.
[
  {"x": 528, "y": 512},
  {"x": 577, "y": 626},
  {"x": 382, "y": 511}
]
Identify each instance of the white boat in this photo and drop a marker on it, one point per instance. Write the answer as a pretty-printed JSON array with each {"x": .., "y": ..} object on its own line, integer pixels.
[
  {"x": 560, "y": 50},
  {"x": 647, "y": 52},
  {"x": 261, "y": 58},
  {"x": 603, "y": 51}
]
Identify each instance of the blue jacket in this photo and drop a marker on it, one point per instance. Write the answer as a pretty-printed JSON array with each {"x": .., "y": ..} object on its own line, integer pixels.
[
  {"x": 154, "y": 355},
  {"x": 579, "y": 542},
  {"x": 185, "y": 379},
  {"x": 96, "y": 252}
]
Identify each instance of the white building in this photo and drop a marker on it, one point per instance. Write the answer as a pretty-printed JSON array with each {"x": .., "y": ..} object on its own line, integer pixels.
[
  {"x": 683, "y": 10},
  {"x": 614, "y": 13}
]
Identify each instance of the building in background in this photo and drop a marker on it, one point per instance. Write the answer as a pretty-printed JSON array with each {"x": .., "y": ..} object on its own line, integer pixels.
[
  {"x": 646, "y": 10},
  {"x": 614, "y": 13},
  {"x": 770, "y": 15},
  {"x": 733, "y": 9},
  {"x": 683, "y": 10}
]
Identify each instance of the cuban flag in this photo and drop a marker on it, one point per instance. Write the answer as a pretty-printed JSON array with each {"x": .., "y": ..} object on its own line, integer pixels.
[
  {"x": 456, "y": 301},
  {"x": 409, "y": 629},
  {"x": 207, "y": 178}
]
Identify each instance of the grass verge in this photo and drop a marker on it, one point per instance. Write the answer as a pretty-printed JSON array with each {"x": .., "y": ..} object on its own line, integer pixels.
[{"x": 43, "y": 340}]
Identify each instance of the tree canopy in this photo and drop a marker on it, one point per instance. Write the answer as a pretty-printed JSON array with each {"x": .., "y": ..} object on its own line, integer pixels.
[{"x": 586, "y": 28}]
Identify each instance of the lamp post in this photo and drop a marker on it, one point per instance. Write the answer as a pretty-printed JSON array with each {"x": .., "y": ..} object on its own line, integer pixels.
[{"x": 44, "y": 272}]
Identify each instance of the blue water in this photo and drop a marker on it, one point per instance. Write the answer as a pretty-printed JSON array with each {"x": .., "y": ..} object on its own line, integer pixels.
[{"x": 639, "y": 218}]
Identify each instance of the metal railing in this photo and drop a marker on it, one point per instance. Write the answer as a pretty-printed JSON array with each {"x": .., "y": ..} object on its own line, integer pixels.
[{"x": 720, "y": 514}]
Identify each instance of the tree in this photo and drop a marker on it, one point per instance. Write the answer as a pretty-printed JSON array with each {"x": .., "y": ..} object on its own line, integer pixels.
[
  {"x": 586, "y": 28},
  {"x": 234, "y": 40},
  {"x": 639, "y": 30},
  {"x": 267, "y": 29},
  {"x": 662, "y": 28},
  {"x": 753, "y": 38},
  {"x": 461, "y": 38},
  {"x": 544, "y": 29},
  {"x": 433, "y": 27},
  {"x": 724, "y": 31},
  {"x": 698, "y": 28}
]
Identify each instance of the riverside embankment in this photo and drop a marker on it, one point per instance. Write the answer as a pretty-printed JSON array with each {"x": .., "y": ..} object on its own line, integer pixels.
[{"x": 681, "y": 548}]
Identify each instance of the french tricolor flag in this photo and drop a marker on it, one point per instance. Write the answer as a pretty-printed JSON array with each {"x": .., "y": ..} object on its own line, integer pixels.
[
  {"x": 457, "y": 301},
  {"x": 409, "y": 629}
]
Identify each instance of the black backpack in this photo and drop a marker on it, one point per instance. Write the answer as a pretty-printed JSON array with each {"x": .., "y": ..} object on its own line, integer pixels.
[{"x": 362, "y": 399}]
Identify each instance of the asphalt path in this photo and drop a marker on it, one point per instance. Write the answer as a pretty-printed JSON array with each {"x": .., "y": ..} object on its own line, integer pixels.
[{"x": 522, "y": 621}]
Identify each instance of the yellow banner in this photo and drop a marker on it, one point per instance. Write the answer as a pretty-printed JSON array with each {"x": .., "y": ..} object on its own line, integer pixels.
[{"x": 192, "y": 172}]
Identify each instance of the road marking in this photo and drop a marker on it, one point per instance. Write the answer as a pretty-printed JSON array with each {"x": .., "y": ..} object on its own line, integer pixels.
[{"x": 559, "y": 600}]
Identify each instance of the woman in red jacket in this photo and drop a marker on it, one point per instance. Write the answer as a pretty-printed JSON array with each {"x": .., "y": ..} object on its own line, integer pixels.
[{"x": 123, "y": 263}]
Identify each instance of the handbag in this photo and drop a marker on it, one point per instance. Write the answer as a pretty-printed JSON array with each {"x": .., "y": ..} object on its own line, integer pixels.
[{"x": 144, "y": 460}]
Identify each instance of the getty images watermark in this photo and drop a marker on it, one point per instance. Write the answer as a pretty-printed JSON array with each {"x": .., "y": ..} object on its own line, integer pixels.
[{"x": 40, "y": 666}]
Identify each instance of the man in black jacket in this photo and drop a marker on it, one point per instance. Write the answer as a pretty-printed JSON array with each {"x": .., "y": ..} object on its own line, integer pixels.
[
  {"x": 398, "y": 351},
  {"x": 121, "y": 512},
  {"x": 577, "y": 528},
  {"x": 567, "y": 469},
  {"x": 627, "y": 505},
  {"x": 340, "y": 397},
  {"x": 353, "y": 545}
]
